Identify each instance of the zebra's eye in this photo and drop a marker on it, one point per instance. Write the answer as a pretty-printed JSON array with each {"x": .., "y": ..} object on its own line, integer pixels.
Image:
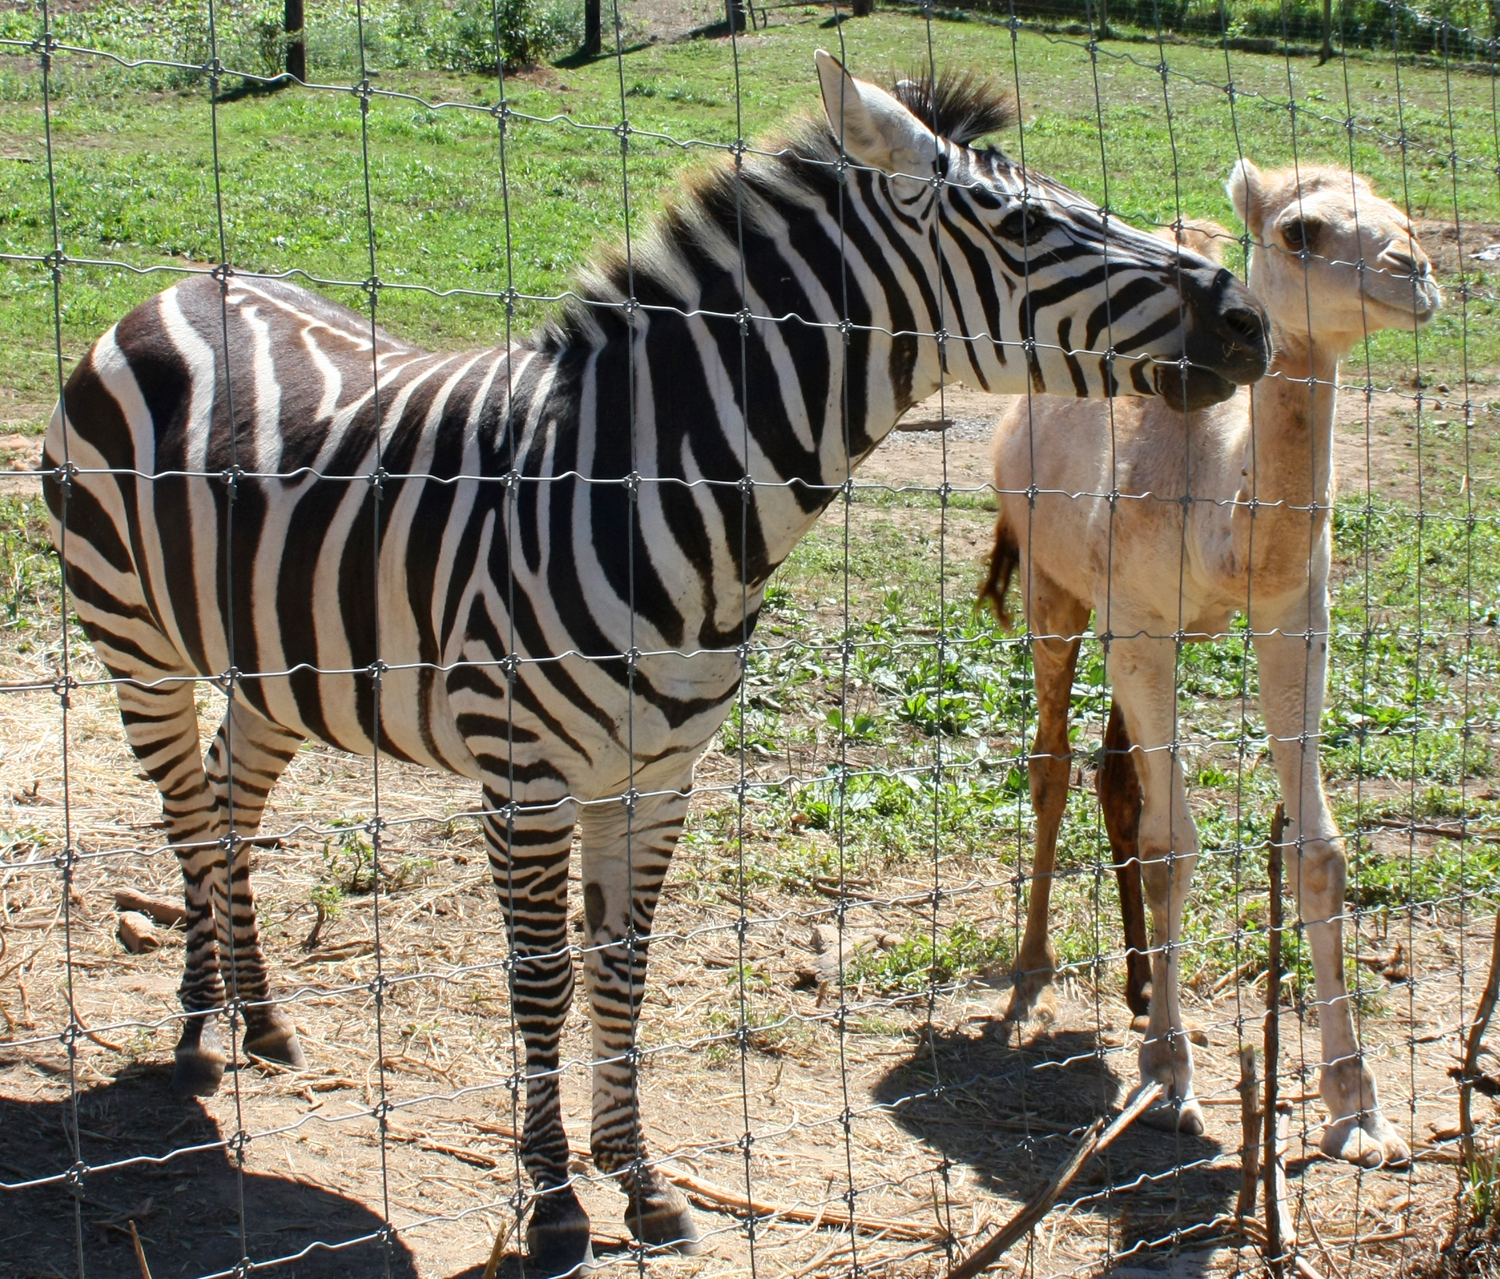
[{"x": 1025, "y": 224}]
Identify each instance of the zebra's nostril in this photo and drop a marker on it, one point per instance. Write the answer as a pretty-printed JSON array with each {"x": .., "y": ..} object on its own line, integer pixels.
[{"x": 1245, "y": 327}]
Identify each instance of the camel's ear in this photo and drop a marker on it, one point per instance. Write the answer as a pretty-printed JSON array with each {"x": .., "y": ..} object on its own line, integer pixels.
[
  {"x": 874, "y": 128},
  {"x": 1246, "y": 189}
]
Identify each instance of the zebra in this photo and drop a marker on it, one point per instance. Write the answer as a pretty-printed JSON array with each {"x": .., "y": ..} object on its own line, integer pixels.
[{"x": 539, "y": 566}]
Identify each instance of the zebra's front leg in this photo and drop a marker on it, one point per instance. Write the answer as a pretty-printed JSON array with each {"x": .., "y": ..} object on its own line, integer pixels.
[
  {"x": 259, "y": 752},
  {"x": 529, "y": 844},
  {"x": 627, "y": 847}
]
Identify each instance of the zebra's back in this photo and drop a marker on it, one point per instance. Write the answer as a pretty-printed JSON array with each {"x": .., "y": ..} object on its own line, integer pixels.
[{"x": 192, "y": 550}]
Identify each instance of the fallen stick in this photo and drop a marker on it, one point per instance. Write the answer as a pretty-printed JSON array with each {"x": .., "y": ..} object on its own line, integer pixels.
[
  {"x": 1270, "y": 1162},
  {"x": 710, "y": 1195},
  {"x": 1471, "y": 1049},
  {"x": 164, "y": 911},
  {"x": 1250, "y": 1134},
  {"x": 1305, "y": 1268},
  {"x": 140, "y": 1253},
  {"x": 1276, "y": 1203},
  {"x": 1040, "y": 1204}
]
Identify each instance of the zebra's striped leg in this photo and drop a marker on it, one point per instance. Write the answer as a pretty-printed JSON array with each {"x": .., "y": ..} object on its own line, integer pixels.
[
  {"x": 528, "y": 849},
  {"x": 257, "y": 751},
  {"x": 627, "y": 848},
  {"x": 161, "y": 724}
]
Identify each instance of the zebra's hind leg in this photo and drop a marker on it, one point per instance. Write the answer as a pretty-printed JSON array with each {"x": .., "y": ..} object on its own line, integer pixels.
[
  {"x": 161, "y": 724},
  {"x": 529, "y": 846},
  {"x": 627, "y": 847},
  {"x": 258, "y": 752}
]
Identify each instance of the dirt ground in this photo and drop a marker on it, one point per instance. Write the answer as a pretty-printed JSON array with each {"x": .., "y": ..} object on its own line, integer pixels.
[
  {"x": 1375, "y": 449},
  {"x": 950, "y": 1125},
  {"x": 921, "y": 1095}
]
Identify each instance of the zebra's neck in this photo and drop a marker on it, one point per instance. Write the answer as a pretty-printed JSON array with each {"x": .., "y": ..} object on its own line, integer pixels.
[{"x": 766, "y": 330}]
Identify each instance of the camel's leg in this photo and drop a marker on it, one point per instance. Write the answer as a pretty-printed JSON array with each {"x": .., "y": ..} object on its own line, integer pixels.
[
  {"x": 529, "y": 844},
  {"x": 1057, "y": 620},
  {"x": 1292, "y": 647},
  {"x": 626, "y": 852},
  {"x": 259, "y": 752},
  {"x": 1119, "y": 791},
  {"x": 1142, "y": 672}
]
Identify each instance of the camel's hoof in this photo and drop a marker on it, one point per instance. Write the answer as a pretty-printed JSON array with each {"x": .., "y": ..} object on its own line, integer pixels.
[
  {"x": 1031, "y": 999},
  {"x": 660, "y": 1216},
  {"x": 1372, "y": 1144},
  {"x": 199, "y": 1059},
  {"x": 1170, "y": 1115},
  {"x": 272, "y": 1036},
  {"x": 558, "y": 1239}
]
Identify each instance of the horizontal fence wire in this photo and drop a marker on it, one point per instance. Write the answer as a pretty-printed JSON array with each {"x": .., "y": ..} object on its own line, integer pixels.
[{"x": 820, "y": 1052}]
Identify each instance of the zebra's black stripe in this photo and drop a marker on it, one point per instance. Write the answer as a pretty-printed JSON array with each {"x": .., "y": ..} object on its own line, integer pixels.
[{"x": 565, "y": 576}]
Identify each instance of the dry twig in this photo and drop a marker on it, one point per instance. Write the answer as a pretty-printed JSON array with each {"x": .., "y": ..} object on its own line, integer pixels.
[
  {"x": 1041, "y": 1203},
  {"x": 140, "y": 1253},
  {"x": 1471, "y": 1049}
]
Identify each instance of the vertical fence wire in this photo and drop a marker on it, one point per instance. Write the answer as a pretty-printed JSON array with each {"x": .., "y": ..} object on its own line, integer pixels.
[{"x": 1430, "y": 641}]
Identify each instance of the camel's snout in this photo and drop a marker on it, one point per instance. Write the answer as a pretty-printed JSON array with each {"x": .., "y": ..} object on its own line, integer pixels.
[{"x": 1404, "y": 263}]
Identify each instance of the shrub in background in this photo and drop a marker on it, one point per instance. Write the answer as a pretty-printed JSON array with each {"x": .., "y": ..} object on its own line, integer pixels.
[{"x": 441, "y": 35}]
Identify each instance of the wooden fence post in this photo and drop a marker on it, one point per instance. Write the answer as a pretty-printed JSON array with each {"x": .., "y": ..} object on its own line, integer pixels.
[
  {"x": 593, "y": 33},
  {"x": 296, "y": 44},
  {"x": 1274, "y": 1241}
]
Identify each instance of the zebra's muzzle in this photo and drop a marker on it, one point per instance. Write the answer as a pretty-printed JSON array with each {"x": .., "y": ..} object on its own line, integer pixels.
[
  {"x": 1228, "y": 339},
  {"x": 1190, "y": 388}
]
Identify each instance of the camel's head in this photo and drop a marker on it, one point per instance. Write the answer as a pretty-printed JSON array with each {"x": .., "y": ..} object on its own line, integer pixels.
[{"x": 1330, "y": 256}]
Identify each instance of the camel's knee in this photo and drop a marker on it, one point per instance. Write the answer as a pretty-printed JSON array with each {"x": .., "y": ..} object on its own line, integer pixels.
[
  {"x": 1321, "y": 869},
  {"x": 1048, "y": 774},
  {"x": 1166, "y": 875}
]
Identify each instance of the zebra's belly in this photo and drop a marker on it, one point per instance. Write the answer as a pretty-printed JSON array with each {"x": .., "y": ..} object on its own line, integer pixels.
[{"x": 592, "y": 728}]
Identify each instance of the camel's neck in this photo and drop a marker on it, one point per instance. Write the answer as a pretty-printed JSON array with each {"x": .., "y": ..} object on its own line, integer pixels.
[{"x": 1291, "y": 408}]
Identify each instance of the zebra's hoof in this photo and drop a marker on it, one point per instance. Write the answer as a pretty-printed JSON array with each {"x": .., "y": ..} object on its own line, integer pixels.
[
  {"x": 559, "y": 1243},
  {"x": 273, "y": 1037},
  {"x": 199, "y": 1060},
  {"x": 658, "y": 1215}
]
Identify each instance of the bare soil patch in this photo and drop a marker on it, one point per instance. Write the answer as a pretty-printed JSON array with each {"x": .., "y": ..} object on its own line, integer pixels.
[{"x": 949, "y": 1126}]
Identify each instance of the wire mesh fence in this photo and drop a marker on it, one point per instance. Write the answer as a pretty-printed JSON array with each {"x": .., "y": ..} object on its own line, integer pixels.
[{"x": 537, "y": 578}]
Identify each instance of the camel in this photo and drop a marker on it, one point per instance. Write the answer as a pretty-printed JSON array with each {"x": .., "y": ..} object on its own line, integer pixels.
[{"x": 1095, "y": 514}]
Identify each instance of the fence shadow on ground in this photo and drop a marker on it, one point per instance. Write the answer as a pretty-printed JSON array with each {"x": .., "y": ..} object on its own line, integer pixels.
[
  {"x": 187, "y": 1209},
  {"x": 1011, "y": 1114}
]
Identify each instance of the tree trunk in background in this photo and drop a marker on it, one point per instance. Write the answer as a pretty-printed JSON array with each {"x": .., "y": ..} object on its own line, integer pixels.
[
  {"x": 593, "y": 39},
  {"x": 862, "y": 8},
  {"x": 1326, "y": 51},
  {"x": 1103, "y": 18},
  {"x": 736, "y": 14},
  {"x": 296, "y": 46}
]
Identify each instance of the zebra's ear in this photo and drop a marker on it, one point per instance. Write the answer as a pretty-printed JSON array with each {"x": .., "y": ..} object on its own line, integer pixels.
[{"x": 873, "y": 127}]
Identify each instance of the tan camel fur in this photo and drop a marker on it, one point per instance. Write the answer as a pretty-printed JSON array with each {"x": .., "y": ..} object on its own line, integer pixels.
[{"x": 1332, "y": 262}]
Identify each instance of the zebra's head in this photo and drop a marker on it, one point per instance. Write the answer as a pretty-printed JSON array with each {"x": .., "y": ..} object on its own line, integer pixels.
[{"x": 1040, "y": 288}]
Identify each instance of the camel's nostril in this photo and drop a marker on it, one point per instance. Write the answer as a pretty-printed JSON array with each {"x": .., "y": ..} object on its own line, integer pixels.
[
  {"x": 1245, "y": 326},
  {"x": 1403, "y": 264}
]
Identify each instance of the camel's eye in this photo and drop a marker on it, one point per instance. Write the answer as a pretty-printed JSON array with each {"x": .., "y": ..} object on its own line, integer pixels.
[{"x": 1299, "y": 233}]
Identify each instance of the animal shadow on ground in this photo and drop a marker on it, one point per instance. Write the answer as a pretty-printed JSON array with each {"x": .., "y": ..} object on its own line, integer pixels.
[
  {"x": 1013, "y": 1113},
  {"x": 186, "y": 1208}
]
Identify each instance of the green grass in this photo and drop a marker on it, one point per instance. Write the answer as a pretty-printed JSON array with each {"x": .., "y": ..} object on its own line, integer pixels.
[
  {"x": 861, "y": 730},
  {"x": 135, "y": 174}
]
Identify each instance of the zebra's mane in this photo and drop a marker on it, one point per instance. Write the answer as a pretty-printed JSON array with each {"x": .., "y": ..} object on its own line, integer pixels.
[{"x": 959, "y": 105}]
